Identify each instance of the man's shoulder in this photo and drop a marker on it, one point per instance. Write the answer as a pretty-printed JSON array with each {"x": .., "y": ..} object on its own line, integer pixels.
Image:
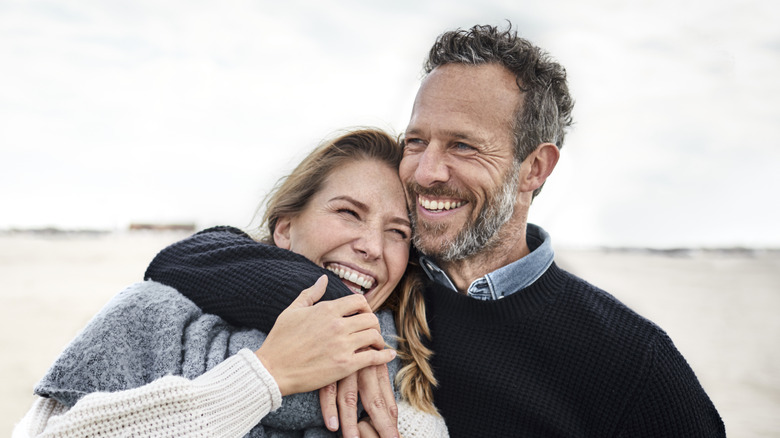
[{"x": 603, "y": 311}]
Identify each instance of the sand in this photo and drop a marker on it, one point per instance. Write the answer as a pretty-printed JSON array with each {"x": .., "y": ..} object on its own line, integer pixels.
[{"x": 718, "y": 307}]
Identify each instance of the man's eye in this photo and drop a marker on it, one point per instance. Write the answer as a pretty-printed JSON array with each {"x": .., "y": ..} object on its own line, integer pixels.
[
  {"x": 464, "y": 147},
  {"x": 413, "y": 143}
]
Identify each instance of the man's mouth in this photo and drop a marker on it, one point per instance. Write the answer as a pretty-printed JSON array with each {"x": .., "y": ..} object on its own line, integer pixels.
[
  {"x": 439, "y": 205},
  {"x": 357, "y": 282}
]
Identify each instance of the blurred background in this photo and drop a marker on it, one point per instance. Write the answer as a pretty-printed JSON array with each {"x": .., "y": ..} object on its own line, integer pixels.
[
  {"x": 120, "y": 112},
  {"x": 130, "y": 113}
]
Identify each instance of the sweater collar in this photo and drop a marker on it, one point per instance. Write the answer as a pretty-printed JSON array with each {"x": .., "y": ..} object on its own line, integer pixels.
[{"x": 508, "y": 279}]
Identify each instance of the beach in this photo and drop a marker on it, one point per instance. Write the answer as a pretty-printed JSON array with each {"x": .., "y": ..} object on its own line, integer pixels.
[{"x": 718, "y": 306}]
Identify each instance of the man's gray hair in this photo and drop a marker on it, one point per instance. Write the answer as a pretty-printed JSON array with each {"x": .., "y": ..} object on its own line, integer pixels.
[{"x": 545, "y": 112}]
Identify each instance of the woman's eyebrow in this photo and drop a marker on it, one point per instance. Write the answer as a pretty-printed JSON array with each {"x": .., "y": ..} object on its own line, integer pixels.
[
  {"x": 400, "y": 220},
  {"x": 351, "y": 200}
]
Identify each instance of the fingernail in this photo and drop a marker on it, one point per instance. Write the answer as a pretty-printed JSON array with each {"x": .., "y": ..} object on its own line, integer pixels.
[{"x": 333, "y": 423}]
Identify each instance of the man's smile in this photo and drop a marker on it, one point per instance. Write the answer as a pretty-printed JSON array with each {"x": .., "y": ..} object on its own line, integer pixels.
[{"x": 435, "y": 205}]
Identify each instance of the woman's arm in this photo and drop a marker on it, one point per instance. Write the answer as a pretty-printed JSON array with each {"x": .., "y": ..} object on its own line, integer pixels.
[
  {"x": 227, "y": 401},
  {"x": 297, "y": 356}
]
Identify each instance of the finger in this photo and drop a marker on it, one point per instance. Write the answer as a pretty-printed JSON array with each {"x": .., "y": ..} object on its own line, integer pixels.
[
  {"x": 368, "y": 339},
  {"x": 362, "y": 322},
  {"x": 383, "y": 376},
  {"x": 347, "y": 405},
  {"x": 330, "y": 411},
  {"x": 375, "y": 402},
  {"x": 349, "y": 305},
  {"x": 371, "y": 357},
  {"x": 311, "y": 295},
  {"x": 366, "y": 429}
]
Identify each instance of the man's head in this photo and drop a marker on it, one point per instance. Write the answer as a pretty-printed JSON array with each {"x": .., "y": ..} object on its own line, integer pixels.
[{"x": 484, "y": 134}]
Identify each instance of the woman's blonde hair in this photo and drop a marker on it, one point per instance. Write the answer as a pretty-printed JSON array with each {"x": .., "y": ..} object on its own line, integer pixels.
[
  {"x": 289, "y": 198},
  {"x": 415, "y": 379}
]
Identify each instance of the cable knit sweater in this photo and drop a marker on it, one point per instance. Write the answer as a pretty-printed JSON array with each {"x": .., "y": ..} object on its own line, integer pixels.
[{"x": 225, "y": 402}]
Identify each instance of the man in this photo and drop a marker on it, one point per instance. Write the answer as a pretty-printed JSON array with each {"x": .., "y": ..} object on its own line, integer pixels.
[{"x": 521, "y": 347}]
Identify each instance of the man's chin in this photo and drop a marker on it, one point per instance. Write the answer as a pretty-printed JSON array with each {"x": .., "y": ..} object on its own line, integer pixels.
[
  {"x": 435, "y": 239},
  {"x": 434, "y": 245}
]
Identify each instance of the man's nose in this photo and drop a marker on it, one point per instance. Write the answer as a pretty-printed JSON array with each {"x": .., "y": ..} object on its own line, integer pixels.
[{"x": 432, "y": 167}]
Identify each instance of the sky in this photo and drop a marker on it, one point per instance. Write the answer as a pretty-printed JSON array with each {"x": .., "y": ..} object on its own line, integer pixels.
[{"x": 125, "y": 111}]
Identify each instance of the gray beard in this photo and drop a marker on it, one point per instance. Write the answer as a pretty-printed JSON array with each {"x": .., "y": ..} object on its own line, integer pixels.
[{"x": 478, "y": 235}]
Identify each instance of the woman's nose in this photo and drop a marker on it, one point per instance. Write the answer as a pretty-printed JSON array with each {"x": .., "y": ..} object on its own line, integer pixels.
[{"x": 370, "y": 244}]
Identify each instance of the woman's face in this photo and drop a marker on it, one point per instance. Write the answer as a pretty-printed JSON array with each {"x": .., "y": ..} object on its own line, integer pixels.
[{"x": 357, "y": 226}]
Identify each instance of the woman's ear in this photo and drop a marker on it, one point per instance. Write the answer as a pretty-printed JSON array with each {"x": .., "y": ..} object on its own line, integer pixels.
[
  {"x": 540, "y": 165},
  {"x": 282, "y": 232}
]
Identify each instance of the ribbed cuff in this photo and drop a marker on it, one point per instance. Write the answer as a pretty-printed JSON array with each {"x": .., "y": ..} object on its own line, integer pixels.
[{"x": 237, "y": 394}]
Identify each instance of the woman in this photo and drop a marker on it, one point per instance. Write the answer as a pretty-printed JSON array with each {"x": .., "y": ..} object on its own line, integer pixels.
[{"x": 352, "y": 219}]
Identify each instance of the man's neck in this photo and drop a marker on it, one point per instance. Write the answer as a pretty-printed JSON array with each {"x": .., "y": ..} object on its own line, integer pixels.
[{"x": 511, "y": 246}]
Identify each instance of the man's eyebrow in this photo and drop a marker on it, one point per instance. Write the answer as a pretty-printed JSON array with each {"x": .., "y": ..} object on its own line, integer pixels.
[
  {"x": 412, "y": 131},
  {"x": 457, "y": 135}
]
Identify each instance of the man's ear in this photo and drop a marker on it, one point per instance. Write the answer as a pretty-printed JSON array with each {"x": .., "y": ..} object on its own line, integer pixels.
[
  {"x": 282, "y": 232},
  {"x": 538, "y": 166}
]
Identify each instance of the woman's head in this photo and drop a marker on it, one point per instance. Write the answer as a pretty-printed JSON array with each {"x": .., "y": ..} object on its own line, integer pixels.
[{"x": 343, "y": 207}]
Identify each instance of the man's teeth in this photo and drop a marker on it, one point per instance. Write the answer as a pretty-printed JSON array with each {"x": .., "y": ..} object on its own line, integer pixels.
[
  {"x": 439, "y": 205},
  {"x": 363, "y": 281}
]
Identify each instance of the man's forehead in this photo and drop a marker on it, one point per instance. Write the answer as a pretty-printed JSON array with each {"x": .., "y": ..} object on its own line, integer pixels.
[
  {"x": 465, "y": 102},
  {"x": 488, "y": 88},
  {"x": 467, "y": 78}
]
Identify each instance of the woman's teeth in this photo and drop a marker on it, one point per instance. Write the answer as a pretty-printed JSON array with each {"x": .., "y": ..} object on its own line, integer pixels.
[
  {"x": 361, "y": 280},
  {"x": 439, "y": 205}
]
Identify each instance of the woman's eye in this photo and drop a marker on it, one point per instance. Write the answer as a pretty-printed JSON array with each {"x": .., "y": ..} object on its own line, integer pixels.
[
  {"x": 349, "y": 211},
  {"x": 403, "y": 234}
]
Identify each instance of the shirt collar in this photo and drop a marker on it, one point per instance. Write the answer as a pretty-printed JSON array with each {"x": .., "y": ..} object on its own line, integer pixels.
[{"x": 508, "y": 279}]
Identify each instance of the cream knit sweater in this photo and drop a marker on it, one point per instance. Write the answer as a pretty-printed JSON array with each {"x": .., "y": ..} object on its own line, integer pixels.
[{"x": 226, "y": 401}]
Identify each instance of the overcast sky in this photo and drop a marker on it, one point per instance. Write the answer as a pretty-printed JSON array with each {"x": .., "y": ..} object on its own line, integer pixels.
[{"x": 114, "y": 112}]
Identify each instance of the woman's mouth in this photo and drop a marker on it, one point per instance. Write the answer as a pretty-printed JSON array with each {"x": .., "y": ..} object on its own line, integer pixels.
[{"x": 357, "y": 282}]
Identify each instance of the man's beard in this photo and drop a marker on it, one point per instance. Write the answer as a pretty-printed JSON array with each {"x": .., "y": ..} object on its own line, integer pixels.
[{"x": 477, "y": 235}]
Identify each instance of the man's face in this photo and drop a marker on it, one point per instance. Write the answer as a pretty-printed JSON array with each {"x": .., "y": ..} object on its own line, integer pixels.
[{"x": 458, "y": 167}]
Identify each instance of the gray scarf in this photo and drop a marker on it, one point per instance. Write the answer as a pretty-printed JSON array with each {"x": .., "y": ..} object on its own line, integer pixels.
[{"x": 150, "y": 330}]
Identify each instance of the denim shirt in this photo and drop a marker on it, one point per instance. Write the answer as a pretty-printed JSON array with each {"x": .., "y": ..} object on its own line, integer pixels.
[{"x": 508, "y": 279}]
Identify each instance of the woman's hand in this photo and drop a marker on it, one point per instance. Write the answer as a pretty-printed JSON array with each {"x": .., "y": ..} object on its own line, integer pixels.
[
  {"x": 312, "y": 345},
  {"x": 338, "y": 402},
  {"x": 367, "y": 430}
]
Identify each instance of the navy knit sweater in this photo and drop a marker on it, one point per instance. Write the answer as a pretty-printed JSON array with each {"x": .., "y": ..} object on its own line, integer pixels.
[
  {"x": 228, "y": 274},
  {"x": 560, "y": 358}
]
